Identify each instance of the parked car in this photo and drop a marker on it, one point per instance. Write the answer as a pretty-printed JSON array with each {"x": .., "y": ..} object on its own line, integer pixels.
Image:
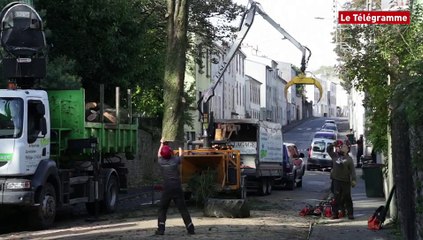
[
  {"x": 293, "y": 166},
  {"x": 326, "y": 135},
  {"x": 318, "y": 157},
  {"x": 330, "y": 121},
  {"x": 330, "y": 127}
]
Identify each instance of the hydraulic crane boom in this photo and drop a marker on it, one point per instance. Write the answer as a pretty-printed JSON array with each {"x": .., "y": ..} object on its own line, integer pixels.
[
  {"x": 246, "y": 22},
  {"x": 245, "y": 26},
  {"x": 302, "y": 48}
]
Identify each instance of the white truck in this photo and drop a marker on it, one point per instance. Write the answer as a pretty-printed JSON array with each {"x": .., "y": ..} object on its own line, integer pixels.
[
  {"x": 50, "y": 155},
  {"x": 260, "y": 144}
]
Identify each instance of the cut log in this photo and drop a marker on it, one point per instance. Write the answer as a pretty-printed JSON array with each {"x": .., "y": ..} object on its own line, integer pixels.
[
  {"x": 91, "y": 105},
  {"x": 229, "y": 208},
  {"x": 110, "y": 117},
  {"x": 91, "y": 115}
]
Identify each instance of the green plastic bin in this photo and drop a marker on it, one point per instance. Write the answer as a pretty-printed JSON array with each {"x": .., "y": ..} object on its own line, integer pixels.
[{"x": 373, "y": 178}]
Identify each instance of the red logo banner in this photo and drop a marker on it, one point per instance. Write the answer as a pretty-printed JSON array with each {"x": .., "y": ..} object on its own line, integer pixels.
[{"x": 374, "y": 17}]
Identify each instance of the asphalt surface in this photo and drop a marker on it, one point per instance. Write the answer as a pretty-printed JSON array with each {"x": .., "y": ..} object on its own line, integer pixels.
[
  {"x": 364, "y": 207},
  {"x": 323, "y": 228}
]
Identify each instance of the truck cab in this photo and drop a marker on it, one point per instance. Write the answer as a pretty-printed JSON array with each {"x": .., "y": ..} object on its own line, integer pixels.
[
  {"x": 51, "y": 154},
  {"x": 24, "y": 131}
]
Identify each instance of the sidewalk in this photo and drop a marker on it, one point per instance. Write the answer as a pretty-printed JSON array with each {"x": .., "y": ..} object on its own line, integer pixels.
[{"x": 364, "y": 207}]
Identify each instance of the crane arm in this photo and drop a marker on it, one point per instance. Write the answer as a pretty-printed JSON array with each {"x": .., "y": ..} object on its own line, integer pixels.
[
  {"x": 303, "y": 49},
  {"x": 245, "y": 26},
  {"x": 247, "y": 21}
]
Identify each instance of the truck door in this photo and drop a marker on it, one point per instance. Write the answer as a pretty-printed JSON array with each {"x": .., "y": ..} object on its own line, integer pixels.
[
  {"x": 36, "y": 121},
  {"x": 36, "y": 133}
]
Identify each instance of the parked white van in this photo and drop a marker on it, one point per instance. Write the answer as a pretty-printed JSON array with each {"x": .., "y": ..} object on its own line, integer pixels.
[{"x": 318, "y": 157}]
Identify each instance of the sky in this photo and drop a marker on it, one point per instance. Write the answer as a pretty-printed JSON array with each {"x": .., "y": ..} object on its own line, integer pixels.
[{"x": 310, "y": 22}]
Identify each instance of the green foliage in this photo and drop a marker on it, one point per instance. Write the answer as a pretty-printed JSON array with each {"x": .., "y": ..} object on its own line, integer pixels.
[
  {"x": 203, "y": 186},
  {"x": 121, "y": 43},
  {"x": 201, "y": 13},
  {"x": 371, "y": 53},
  {"x": 299, "y": 90},
  {"x": 189, "y": 105},
  {"x": 203, "y": 33},
  {"x": 61, "y": 74},
  {"x": 116, "y": 43},
  {"x": 410, "y": 91},
  {"x": 419, "y": 205},
  {"x": 149, "y": 102}
]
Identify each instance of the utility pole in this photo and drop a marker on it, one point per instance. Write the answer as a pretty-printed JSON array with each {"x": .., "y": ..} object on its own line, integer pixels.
[{"x": 390, "y": 173}]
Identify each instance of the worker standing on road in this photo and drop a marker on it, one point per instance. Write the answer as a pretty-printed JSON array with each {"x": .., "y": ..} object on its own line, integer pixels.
[
  {"x": 343, "y": 178},
  {"x": 360, "y": 149},
  {"x": 172, "y": 189}
]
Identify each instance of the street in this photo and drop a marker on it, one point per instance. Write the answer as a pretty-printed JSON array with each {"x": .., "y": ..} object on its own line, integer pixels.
[{"x": 275, "y": 216}]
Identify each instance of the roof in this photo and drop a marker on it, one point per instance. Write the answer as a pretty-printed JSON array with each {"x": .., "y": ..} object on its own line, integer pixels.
[
  {"x": 249, "y": 121},
  {"x": 322, "y": 140},
  {"x": 322, "y": 134}
]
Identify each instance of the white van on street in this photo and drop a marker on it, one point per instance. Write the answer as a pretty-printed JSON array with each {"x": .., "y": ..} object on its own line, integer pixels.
[{"x": 318, "y": 157}]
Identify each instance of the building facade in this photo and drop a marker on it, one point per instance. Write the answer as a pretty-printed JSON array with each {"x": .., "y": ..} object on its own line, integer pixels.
[{"x": 250, "y": 87}]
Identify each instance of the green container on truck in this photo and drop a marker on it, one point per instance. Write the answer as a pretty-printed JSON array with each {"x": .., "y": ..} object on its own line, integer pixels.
[
  {"x": 51, "y": 157},
  {"x": 53, "y": 152}
]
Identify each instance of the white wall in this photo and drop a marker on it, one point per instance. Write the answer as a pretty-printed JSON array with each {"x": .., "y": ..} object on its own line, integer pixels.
[{"x": 357, "y": 112}]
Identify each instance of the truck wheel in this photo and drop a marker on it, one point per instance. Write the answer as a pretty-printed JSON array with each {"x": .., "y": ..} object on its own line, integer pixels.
[
  {"x": 187, "y": 196},
  {"x": 300, "y": 182},
  {"x": 110, "y": 200},
  {"x": 230, "y": 208},
  {"x": 291, "y": 184},
  {"x": 90, "y": 207},
  {"x": 44, "y": 214},
  {"x": 242, "y": 193},
  {"x": 269, "y": 187},
  {"x": 262, "y": 187}
]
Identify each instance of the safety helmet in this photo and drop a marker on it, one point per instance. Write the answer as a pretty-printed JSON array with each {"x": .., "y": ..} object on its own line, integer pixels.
[
  {"x": 166, "y": 152},
  {"x": 339, "y": 143}
]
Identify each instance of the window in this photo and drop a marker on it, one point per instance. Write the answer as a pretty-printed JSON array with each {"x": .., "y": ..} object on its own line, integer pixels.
[
  {"x": 11, "y": 117},
  {"x": 319, "y": 146},
  {"x": 246, "y": 132},
  {"x": 35, "y": 116},
  {"x": 208, "y": 62},
  {"x": 327, "y": 135},
  {"x": 237, "y": 62}
]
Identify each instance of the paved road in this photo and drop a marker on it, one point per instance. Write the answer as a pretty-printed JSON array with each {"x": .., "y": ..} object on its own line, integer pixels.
[{"x": 289, "y": 203}]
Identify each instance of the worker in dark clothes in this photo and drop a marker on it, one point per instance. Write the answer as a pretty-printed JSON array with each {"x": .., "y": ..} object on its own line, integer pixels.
[
  {"x": 172, "y": 189},
  {"x": 360, "y": 150},
  {"x": 343, "y": 178}
]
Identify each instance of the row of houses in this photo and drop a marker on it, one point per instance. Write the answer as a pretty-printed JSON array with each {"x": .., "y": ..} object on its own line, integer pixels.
[{"x": 253, "y": 87}]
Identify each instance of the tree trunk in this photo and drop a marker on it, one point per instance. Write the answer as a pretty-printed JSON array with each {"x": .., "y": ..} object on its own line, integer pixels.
[
  {"x": 416, "y": 138},
  {"x": 403, "y": 174},
  {"x": 177, "y": 16}
]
